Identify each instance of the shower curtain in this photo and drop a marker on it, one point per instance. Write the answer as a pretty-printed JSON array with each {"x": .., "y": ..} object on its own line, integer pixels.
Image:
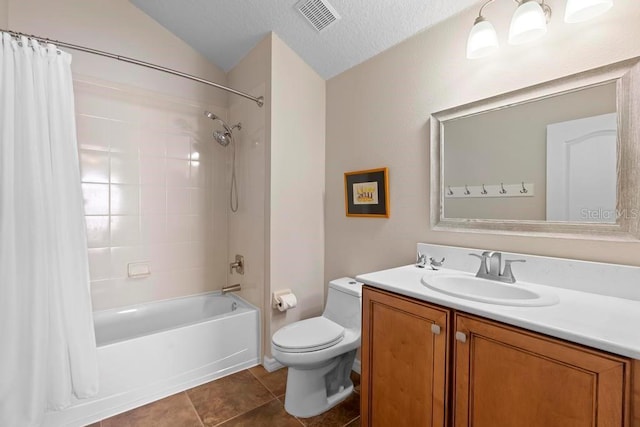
[{"x": 47, "y": 342}]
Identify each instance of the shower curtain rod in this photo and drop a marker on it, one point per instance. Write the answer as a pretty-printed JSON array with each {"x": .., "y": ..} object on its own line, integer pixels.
[{"x": 259, "y": 100}]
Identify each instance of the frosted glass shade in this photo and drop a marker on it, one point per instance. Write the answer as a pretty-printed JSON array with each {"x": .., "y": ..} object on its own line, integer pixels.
[
  {"x": 528, "y": 23},
  {"x": 482, "y": 40},
  {"x": 583, "y": 10}
]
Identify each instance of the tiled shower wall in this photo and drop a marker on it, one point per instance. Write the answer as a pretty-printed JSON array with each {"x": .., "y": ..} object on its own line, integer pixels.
[{"x": 155, "y": 190}]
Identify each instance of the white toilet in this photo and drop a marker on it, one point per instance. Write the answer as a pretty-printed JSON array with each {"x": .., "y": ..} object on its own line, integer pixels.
[{"x": 320, "y": 351}]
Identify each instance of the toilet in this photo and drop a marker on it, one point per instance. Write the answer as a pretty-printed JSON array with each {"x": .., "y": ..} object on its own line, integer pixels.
[{"x": 320, "y": 351}]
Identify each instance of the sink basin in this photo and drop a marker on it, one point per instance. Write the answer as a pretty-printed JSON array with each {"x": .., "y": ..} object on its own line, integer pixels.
[{"x": 488, "y": 291}]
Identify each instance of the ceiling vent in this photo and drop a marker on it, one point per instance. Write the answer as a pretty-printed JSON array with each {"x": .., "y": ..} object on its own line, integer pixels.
[{"x": 319, "y": 13}]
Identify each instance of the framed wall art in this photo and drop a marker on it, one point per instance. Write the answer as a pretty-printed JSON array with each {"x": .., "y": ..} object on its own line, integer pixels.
[{"x": 366, "y": 193}]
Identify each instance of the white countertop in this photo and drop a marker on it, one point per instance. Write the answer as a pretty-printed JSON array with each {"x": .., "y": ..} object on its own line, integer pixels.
[{"x": 599, "y": 321}]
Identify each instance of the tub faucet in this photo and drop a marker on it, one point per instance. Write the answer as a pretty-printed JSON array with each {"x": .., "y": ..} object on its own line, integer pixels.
[
  {"x": 492, "y": 272},
  {"x": 231, "y": 288}
]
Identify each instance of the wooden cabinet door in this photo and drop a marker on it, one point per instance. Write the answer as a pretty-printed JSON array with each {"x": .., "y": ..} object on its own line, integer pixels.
[
  {"x": 507, "y": 377},
  {"x": 404, "y": 361}
]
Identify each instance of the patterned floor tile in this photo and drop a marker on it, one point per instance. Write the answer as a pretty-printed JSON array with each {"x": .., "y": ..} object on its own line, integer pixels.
[
  {"x": 228, "y": 397},
  {"x": 172, "y": 411},
  {"x": 354, "y": 423},
  {"x": 268, "y": 415},
  {"x": 338, "y": 416},
  {"x": 275, "y": 381}
]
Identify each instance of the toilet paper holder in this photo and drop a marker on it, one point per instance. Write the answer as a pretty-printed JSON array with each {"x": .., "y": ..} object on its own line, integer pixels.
[{"x": 275, "y": 299}]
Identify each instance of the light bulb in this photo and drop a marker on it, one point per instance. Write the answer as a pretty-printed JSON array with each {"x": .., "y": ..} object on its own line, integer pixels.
[
  {"x": 528, "y": 23},
  {"x": 583, "y": 10},
  {"x": 482, "y": 40}
]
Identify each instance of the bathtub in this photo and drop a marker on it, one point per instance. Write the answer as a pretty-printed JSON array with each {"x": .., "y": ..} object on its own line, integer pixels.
[{"x": 153, "y": 350}]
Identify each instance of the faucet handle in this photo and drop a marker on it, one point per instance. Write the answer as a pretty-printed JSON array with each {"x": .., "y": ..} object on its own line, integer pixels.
[
  {"x": 507, "y": 274},
  {"x": 482, "y": 271},
  {"x": 435, "y": 264},
  {"x": 421, "y": 260}
]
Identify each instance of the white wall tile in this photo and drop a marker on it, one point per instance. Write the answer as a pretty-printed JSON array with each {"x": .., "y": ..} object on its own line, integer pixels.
[
  {"x": 153, "y": 200},
  {"x": 152, "y": 143},
  {"x": 125, "y": 230},
  {"x": 178, "y": 146},
  {"x": 96, "y": 199},
  {"x": 153, "y": 229},
  {"x": 99, "y": 263},
  {"x": 160, "y": 256},
  {"x": 97, "y": 231},
  {"x": 92, "y": 133},
  {"x": 151, "y": 189},
  {"x": 94, "y": 166},
  {"x": 125, "y": 199},
  {"x": 178, "y": 201},
  {"x": 178, "y": 228},
  {"x": 153, "y": 171},
  {"x": 124, "y": 138},
  {"x": 178, "y": 172},
  {"x": 125, "y": 168}
]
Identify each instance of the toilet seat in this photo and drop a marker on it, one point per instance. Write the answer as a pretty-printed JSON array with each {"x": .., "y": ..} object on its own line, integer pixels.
[{"x": 307, "y": 335}]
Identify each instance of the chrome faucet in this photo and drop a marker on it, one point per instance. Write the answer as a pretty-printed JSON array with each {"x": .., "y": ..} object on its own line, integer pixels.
[
  {"x": 492, "y": 272},
  {"x": 422, "y": 262},
  {"x": 231, "y": 288}
]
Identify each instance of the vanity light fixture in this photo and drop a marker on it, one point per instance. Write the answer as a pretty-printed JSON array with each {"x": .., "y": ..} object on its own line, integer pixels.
[
  {"x": 483, "y": 39},
  {"x": 583, "y": 10},
  {"x": 528, "y": 23}
]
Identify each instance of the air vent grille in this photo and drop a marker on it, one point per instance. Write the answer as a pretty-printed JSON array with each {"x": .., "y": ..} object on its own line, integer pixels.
[{"x": 319, "y": 13}]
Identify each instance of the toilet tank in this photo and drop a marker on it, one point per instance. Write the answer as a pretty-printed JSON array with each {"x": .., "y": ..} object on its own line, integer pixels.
[{"x": 344, "y": 302}]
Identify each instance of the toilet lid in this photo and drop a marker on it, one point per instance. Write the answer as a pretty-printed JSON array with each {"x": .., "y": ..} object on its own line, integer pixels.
[{"x": 312, "y": 334}]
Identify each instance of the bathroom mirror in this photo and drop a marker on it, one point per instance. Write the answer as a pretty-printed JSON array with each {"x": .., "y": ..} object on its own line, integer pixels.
[{"x": 561, "y": 159}]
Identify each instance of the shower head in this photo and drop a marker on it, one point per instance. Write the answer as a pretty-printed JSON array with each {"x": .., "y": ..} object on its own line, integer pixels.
[{"x": 222, "y": 138}]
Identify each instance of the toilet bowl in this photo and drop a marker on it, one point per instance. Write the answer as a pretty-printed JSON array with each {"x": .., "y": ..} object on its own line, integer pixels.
[{"x": 320, "y": 351}]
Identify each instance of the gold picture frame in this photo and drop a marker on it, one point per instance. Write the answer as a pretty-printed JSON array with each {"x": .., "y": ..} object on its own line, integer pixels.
[{"x": 366, "y": 193}]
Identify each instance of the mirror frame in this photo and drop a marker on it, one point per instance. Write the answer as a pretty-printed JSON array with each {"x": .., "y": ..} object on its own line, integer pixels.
[{"x": 626, "y": 74}]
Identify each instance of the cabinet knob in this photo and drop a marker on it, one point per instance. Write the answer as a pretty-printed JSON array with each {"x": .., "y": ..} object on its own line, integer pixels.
[
  {"x": 461, "y": 336},
  {"x": 435, "y": 329}
]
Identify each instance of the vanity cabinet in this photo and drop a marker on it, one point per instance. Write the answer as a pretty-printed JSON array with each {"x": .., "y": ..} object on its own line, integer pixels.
[
  {"x": 505, "y": 376},
  {"x": 404, "y": 361},
  {"x": 500, "y": 376}
]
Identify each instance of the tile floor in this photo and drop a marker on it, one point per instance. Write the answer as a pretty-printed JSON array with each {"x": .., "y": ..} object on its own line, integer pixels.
[{"x": 253, "y": 397}]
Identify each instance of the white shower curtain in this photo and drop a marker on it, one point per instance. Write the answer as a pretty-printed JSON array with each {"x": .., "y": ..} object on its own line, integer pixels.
[{"x": 47, "y": 342}]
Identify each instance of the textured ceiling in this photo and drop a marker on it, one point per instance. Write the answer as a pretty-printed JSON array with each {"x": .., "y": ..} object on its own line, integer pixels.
[{"x": 226, "y": 30}]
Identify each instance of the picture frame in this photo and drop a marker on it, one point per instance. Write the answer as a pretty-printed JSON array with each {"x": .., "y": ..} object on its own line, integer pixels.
[{"x": 366, "y": 193}]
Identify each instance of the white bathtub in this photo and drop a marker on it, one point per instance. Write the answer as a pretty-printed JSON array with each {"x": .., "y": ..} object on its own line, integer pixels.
[{"x": 151, "y": 351}]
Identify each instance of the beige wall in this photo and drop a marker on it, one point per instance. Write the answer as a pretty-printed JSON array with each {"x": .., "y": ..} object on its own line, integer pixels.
[
  {"x": 4, "y": 14},
  {"x": 510, "y": 146},
  {"x": 297, "y": 185},
  {"x": 146, "y": 197},
  {"x": 248, "y": 227},
  {"x": 377, "y": 116},
  {"x": 119, "y": 27},
  {"x": 279, "y": 227}
]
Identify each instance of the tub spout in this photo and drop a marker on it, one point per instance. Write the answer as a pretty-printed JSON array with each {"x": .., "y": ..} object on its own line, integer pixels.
[{"x": 231, "y": 288}]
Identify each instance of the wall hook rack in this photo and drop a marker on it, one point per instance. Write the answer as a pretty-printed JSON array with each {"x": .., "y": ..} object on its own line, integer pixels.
[{"x": 523, "y": 189}]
